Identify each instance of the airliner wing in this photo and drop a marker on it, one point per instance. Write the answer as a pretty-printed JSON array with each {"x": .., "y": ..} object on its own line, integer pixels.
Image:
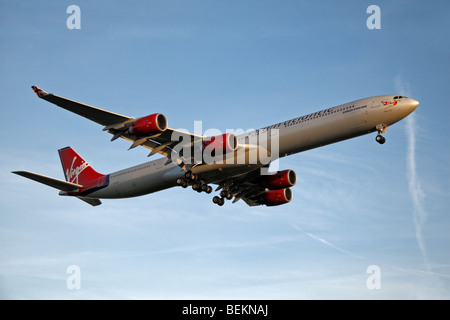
[
  {"x": 116, "y": 124},
  {"x": 259, "y": 187},
  {"x": 100, "y": 116},
  {"x": 162, "y": 143},
  {"x": 245, "y": 187}
]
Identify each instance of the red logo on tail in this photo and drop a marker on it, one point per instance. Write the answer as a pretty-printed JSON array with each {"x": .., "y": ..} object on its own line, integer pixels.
[{"x": 76, "y": 169}]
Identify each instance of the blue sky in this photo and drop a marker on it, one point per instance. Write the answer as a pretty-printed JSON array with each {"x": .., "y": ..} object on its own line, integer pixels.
[{"x": 230, "y": 64}]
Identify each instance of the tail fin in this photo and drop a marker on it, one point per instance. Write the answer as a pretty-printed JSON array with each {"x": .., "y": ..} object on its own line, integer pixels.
[{"x": 76, "y": 169}]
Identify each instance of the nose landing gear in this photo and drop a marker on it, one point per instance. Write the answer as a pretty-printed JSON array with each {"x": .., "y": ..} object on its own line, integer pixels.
[
  {"x": 381, "y": 128},
  {"x": 380, "y": 139}
]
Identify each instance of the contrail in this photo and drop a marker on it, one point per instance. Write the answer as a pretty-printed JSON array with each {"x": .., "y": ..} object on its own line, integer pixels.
[
  {"x": 414, "y": 187},
  {"x": 327, "y": 243},
  {"x": 400, "y": 269}
]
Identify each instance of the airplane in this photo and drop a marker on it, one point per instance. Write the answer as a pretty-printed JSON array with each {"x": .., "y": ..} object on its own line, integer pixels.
[{"x": 237, "y": 163}]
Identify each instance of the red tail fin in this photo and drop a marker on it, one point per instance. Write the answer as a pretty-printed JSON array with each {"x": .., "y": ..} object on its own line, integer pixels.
[{"x": 76, "y": 169}]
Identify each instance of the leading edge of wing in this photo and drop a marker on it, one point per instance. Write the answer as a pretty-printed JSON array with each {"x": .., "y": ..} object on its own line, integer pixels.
[{"x": 97, "y": 115}]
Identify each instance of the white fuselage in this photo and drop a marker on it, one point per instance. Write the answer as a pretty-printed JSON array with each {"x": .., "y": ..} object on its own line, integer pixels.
[{"x": 296, "y": 135}]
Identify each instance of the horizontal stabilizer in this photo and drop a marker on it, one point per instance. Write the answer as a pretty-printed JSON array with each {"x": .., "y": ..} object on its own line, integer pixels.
[
  {"x": 92, "y": 202},
  {"x": 52, "y": 182}
]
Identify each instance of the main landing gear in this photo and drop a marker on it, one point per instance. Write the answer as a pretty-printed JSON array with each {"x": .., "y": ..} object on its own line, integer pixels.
[
  {"x": 381, "y": 128},
  {"x": 218, "y": 200},
  {"x": 198, "y": 185},
  {"x": 224, "y": 194}
]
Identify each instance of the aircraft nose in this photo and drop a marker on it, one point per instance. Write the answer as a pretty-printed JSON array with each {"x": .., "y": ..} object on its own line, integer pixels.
[{"x": 413, "y": 104}]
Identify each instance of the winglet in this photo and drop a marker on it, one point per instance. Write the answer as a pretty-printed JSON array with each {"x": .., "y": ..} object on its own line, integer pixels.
[{"x": 39, "y": 92}]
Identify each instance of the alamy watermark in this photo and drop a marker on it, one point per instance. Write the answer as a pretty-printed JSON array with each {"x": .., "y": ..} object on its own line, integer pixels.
[
  {"x": 74, "y": 20},
  {"x": 374, "y": 20},
  {"x": 235, "y": 146},
  {"x": 374, "y": 280},
  {"x": 73, "y": 281}
]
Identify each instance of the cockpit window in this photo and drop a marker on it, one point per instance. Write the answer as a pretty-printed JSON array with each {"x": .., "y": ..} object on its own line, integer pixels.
[{"x": 399, "y": 97}]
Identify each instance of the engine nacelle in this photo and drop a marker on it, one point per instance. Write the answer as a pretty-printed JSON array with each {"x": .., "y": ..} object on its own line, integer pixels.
[
  {"x": 149, "y": 125},
  {"x": 277, "y": 197},
  {"x": 280, "y": 180},
  {"x": 221, "y": 144}
]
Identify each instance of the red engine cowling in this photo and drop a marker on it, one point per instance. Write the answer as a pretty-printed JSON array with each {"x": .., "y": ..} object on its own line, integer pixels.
[
  {"x": 149, "y": 125},
  {"x": 221, "y": 144},
  {"x": 277, "y": 197},
  {"x": 280, "y": 180}
]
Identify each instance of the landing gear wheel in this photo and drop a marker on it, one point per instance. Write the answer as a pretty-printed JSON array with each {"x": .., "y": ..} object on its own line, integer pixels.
[
  {"x": 196, "y": 186},
  {"x": 189, "y": 175},
  {"x": 208, "y": 189},
  {"x": 380, "y": 139},
  {"x": 219, "y": 201},
  {"x": 182, "y": 182},
  {"x": 226, "y": 194}
]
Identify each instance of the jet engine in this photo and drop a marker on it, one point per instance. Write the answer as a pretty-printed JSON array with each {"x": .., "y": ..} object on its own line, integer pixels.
[
  {"x": 280, "y": 180},
  {"x": 149, "y": 125},
  {"x": 277, "y": 197},
  {"x": 221, "y": 144}
]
